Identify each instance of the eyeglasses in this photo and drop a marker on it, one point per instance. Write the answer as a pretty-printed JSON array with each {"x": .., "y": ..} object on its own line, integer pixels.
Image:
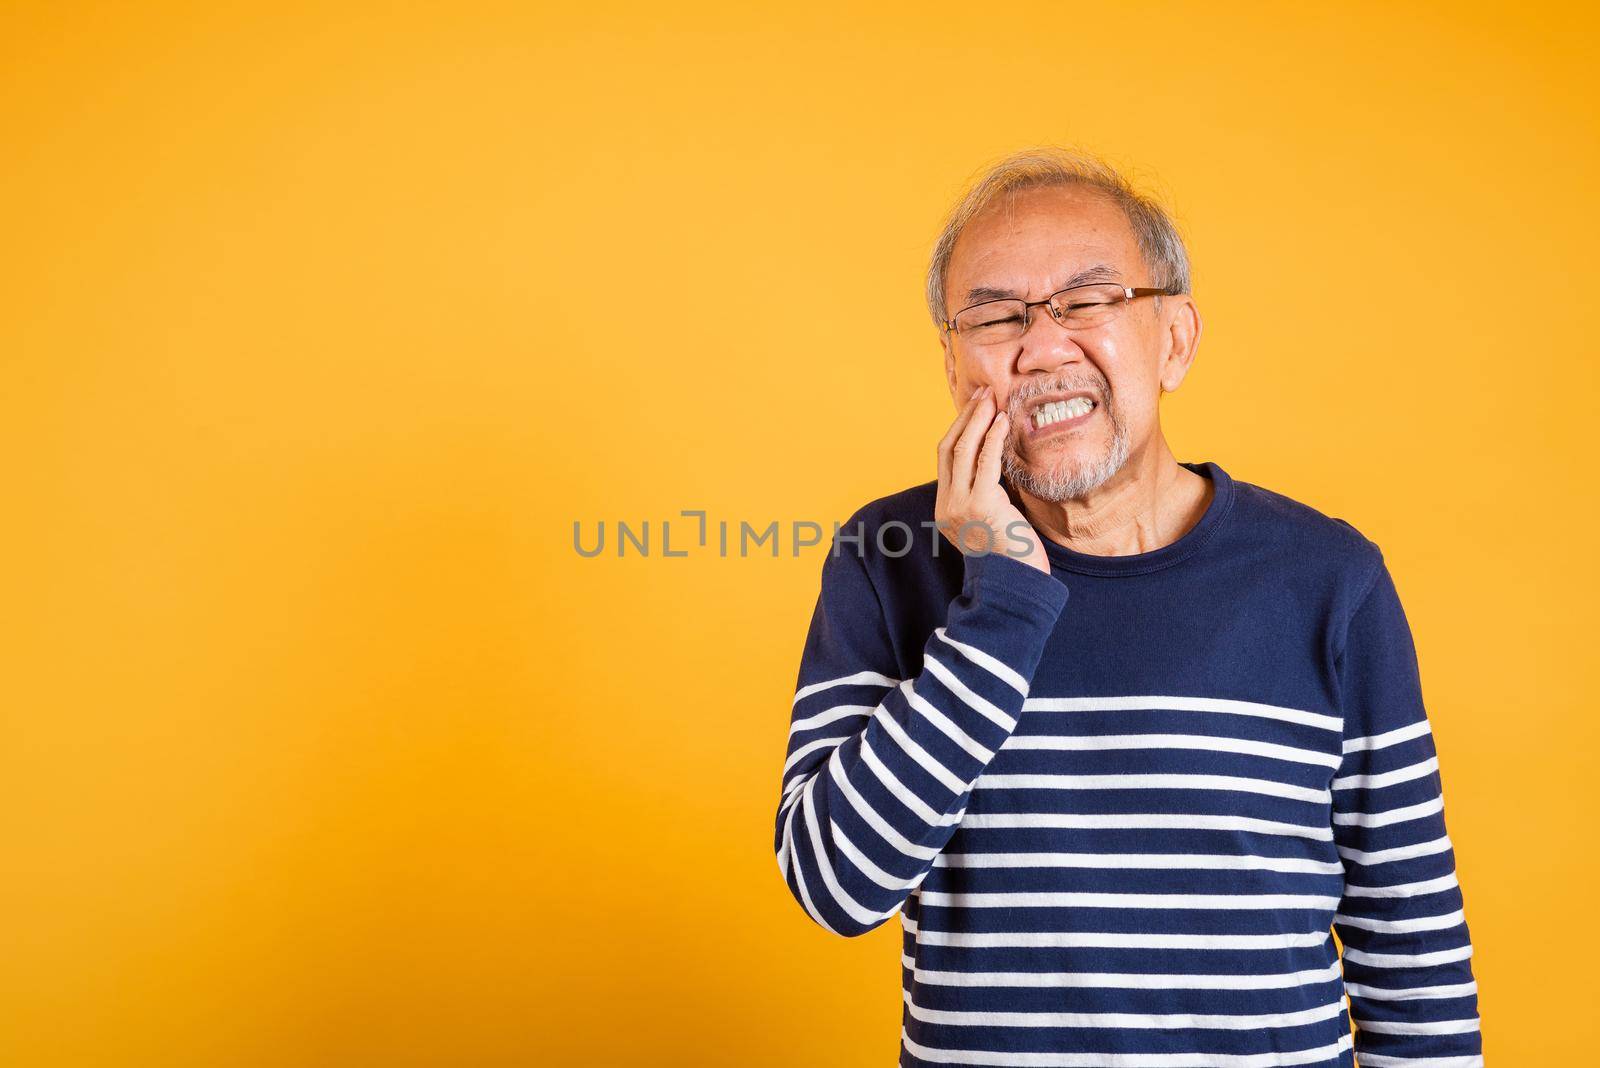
[{"x": 994, "y": 322}]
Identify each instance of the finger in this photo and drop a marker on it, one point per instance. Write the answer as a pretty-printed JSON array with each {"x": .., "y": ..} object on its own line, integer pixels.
[
  {"x": 960, "y": 422},
  {"x": 994, "y": 444},
  {"x": 964, "y": 456},
  {"x": 947, "y": 442}
]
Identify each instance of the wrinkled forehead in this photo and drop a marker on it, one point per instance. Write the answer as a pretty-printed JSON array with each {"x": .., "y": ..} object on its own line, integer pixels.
[{"x": 1039, "y": 241}]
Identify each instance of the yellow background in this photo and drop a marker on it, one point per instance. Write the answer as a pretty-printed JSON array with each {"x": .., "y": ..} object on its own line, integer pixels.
[{"x": 322, "y": 324}]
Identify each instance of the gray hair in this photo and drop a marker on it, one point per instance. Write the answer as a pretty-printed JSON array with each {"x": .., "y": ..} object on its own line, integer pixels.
[{"x": 1049, "y": 166}]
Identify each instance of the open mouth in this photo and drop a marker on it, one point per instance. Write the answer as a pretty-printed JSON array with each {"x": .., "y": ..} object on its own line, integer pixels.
[{"x": 1051, "y": 415}]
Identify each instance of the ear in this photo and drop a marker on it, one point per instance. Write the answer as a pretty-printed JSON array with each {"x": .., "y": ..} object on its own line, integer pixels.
[
  {"x": 1182, "y": 327},
  {"x": 949, "y": 366}
]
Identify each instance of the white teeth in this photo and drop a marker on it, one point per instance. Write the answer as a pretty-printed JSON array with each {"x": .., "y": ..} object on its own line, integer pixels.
[{"x": 1056, "y": 411}]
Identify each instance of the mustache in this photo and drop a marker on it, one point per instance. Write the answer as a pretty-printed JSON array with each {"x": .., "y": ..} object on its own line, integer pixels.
[{"x": 1027, "y": 391}]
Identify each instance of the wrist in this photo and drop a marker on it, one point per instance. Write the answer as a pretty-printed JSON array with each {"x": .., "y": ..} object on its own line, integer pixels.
[{"x": 1014, "y": 578}]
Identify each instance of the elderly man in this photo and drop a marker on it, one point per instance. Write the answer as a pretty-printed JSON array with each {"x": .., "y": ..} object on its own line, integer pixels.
[{"x": 1121, "y": 831}]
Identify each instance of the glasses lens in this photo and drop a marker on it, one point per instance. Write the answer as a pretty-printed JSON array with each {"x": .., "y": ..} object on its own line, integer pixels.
[
  {"x": 1089, "y": 305},
  {"x": 994, "y": 321}
]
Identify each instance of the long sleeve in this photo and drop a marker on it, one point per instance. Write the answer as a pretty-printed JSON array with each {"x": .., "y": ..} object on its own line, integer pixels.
[
  {"x": 1407, "y": 950},
  {"x": 879, "y": 769}
]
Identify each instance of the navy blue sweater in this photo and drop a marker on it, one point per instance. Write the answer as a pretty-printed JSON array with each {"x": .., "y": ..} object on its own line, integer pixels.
[{"x": 1121, "y": 809}]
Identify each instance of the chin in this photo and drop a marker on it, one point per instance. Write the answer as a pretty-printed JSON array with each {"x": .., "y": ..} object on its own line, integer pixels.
[{"x": 1068, "y": 476}]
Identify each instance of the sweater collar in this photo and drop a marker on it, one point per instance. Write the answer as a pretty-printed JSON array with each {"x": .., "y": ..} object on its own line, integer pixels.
[{"x": 1063, "y": 558}]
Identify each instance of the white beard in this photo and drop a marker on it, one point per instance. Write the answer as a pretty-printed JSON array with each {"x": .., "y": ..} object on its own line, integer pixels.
[{"x": 1065, "y": 481}]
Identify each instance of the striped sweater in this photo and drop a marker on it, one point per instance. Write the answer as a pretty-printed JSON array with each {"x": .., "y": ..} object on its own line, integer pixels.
[{"x": 1125, "y": 831}]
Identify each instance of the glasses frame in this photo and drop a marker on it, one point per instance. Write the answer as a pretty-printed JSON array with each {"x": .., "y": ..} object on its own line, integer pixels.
[{"x": 1128, "y": 293}]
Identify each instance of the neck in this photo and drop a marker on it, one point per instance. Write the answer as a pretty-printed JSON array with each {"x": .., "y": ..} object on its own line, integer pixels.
[{"x": 1150, "y": 502}]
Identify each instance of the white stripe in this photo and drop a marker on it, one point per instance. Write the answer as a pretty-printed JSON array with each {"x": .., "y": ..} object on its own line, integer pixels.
[
  {"x": 901, "y": 792},
  {"x": 1154, "y": 781},
  {"x": 1421, "y": 1027},
  {"x": 811, "y": 747},
  {"x": 1407, "y": 926},
  {"x": 1162, "y": 703},
  {"x": 794, "y": 791},
  {"x": 783, "y": 844},
  {"x": 1390, "y": 815},
  {"x": 1010, "y": 1059},
  {"x": 1206, "y": 742},
  {"x": 972, "y": 700},
  {"x": 996, "y": 667},
  {"x": 1426, "y": 886},
  {"x": 789, "y": 790},
  {"x": 860, "y": 678},
  {"x": 1128, "y": 1020},
  {"x": 1384, "y": 1060},
  {"x": 938, "y": 719},
  {"x": 827, "y": 716},
  {"x": 947, "y": 778},
  {"x": 1119, "y": 940},
  {"x": 786, "y": 850},
  {"x": 865, "y": 865},
  {"x": 1411, "y": 993},
  {"x": 974, "y": 899},
  {"x": 1415, "y": 729},
  {"x": 800, "y": 877},
  {"x": 1113, "y": 861},
  {"x": 1406, "y": 852},
  {"x": 1388, "y": 778},
  {"x": 1406, "y": 960},
  {"x": 943, "y": 774},
  {"x": 856, "y": 911},
  {"x": 1122, "y": 980},
  {"x": 1130, "y": 820},
  {"x": 871, "y": 818}
]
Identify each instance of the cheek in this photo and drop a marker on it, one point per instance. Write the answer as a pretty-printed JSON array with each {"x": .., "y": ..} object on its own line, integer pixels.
[
  {"x": 1135, "y": 381},
  {"x": 971, "y": 376}
]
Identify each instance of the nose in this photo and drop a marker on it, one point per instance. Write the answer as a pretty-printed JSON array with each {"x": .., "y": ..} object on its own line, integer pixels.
[{"x": 1048, "y": 347}]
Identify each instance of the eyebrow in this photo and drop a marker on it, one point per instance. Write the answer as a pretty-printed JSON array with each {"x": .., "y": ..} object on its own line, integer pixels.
[{"x": 1100, "y": 272}]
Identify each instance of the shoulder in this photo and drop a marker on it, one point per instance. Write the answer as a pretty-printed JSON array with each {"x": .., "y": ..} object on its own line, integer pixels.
[
  {"x": 1308, "y": 536},
  {"x": 907, "y": 507},
  {"x": 895, "y": 541}
]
